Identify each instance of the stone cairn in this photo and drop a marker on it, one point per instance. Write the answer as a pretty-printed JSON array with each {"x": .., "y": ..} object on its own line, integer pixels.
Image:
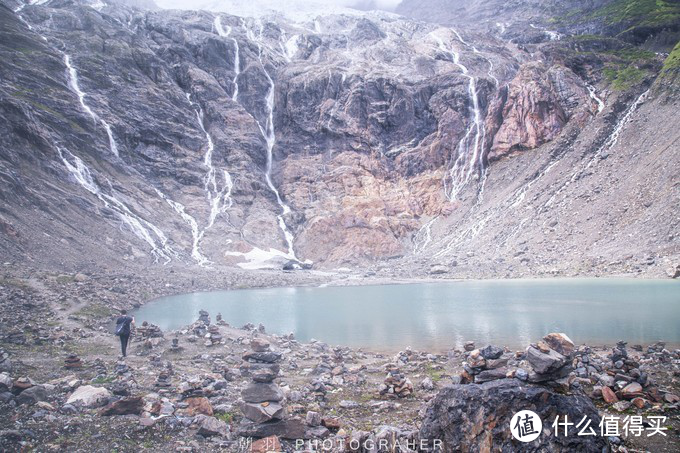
[
  {"x": 551, "y": 360},
  {"x": 485, "y": 364},
  {"x": 219, "y": 321},
  {"x": 163, "y": 381},
  {"x": 175, "y": 347},
  {"x": 213, "y": 337},
  {"x": 200, "y": 327},
  {"x": 5, "y": 362},
  {"x": 99, "y": 367},
  {"x": 396, "y": 384},
  {"x": 147, "y": 331},
  {"x": 73, "y": 362},
  {"x": 262, "y": 403}
]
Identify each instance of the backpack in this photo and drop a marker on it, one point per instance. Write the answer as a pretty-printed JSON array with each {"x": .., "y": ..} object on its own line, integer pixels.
[{"x": 121, "y": 327}]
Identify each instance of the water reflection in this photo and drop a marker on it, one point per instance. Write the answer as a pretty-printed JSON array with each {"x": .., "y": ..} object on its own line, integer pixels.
[{"x": 443, "y": 315}]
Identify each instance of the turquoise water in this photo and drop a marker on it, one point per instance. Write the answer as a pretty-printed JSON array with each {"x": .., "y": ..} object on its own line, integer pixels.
[{"x": 438, "y": 316}]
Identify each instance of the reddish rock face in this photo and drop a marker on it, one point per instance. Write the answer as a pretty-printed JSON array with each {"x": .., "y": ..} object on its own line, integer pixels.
[{"x": 533, "y": 108}]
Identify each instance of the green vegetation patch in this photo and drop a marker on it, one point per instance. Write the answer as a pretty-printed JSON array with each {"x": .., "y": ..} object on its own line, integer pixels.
[
  {"x": 640, "y": 12},
  {"x": 624, "y": 79},
  {"x": 671, "y": 65}
]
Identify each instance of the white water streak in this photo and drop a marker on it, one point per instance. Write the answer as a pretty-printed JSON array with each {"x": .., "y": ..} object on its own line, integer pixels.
[
  {"x": 237, "y": 62},
  {"x": 609, "y": 143},
  {"x": 141, "y": 228},
  {"x": 219, "y": 198},
  {"x": 593, "y": 95},
  {"x": 469, "y": 159},
  {"x": 270, "y": 138},
  {"x": 72, "y": 76},
  {"x": 424, "y": 236},
  {"x": 195, "y": 233}
]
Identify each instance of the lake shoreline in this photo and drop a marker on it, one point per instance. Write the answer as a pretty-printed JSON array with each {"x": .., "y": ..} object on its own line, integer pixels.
[{"x": 68, "y": 315}]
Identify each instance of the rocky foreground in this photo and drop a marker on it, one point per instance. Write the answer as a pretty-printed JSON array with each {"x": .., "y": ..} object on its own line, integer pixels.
[{"x": 212, "y": 386}]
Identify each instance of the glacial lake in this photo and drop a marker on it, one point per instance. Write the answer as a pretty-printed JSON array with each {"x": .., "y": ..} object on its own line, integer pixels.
[{"x": 439, "y": 316}]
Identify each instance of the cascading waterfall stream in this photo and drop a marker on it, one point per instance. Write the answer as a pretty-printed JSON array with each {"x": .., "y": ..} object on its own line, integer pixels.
[
  {"x": 191, "y": 221},
  {"x": 424, "y": 235},
  {"x": 593, "y": 95},
  {"x": 269, "y": 136},
  {"x": 469, "y": 159},
  {"x": 75, "y": 87},
  {"x": 237, "y": 63},
  {"x": 219, "y": 199},
  {"x": 518, "y": 196},
  {"x": 141, "y": 228},
  {"x": 608, "y": 143}
]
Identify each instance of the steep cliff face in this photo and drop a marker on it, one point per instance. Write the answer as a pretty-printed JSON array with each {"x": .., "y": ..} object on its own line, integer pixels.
[{"x": 209, "y": 139}]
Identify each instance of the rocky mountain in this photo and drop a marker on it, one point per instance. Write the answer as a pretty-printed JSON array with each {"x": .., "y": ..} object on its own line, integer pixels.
[{"x": 469, "y": 141}]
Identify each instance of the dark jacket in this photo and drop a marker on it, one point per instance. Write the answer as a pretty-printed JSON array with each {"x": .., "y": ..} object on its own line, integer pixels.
[{"x": 125, "y": 321}]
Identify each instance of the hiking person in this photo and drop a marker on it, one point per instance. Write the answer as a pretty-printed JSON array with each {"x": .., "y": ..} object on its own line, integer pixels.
[{"x": 123, "y": 324}]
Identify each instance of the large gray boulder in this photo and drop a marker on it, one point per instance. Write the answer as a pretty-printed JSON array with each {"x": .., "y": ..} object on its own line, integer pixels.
[
  {"x": 89, "y": 396},
  {"x": 476, "y": 418},
  {"x": 545, "y": 362}
]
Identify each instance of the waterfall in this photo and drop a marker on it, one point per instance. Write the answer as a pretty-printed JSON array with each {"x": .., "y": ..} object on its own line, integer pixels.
[
  {"x": 608, "y": 143},
  {"x": 469, "y": 159},
  {"x": 72, "y": 77},
  {"x": 237, "y": 63},
  {"x": 219, "y": 199},
  {"x": 141, "y": 228},
  {"x": 196, "y": 235},
  {"x": 424, "y": 236},
  {"x": 552, "y": 35},
  {"x": 593, "y": 95},
  {"x": 269, "y": 136}
]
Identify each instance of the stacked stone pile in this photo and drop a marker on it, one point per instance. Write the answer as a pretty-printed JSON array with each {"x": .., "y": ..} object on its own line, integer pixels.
[
  {"x": 396, "y": 384},
  {"x": 485, "y": 364},
  {"x": 263, "y": 400},
  {"x": 72, "y": 361},
  {"x": 147, "y": 331},
  {"x": 213, "y": 337}
]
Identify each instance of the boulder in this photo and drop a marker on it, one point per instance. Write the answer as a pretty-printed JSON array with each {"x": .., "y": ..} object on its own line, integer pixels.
[
  {"x": 210, "y": 426},
  {"x": 198, "y": 405},
  {"x": 259, "y": 345},
  {"x": 631, "y": 390},
  {"x": 560, "y": 342},
  {"x": 5, "y": 382},
  {"x": 292, "y": 429},
  {"x": 32, "y": 395},
  {"x": 259, "y": 393},
  {"x": 491, "y": 375},
  {"x": 491, "y": 352},
  {"x": 125, "y": 406},
  {"x": 609, "y": 396},
  {"x": 476, "y": 417},
  {"x": 545, "y": 362},
  {"x": 264, "y": 375},
  {"x": 266, "y": 356},
  {"x": 89, "y": 396},
  {"x": 313, "y": 419},
  {"x": 262, "y": 412}
]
